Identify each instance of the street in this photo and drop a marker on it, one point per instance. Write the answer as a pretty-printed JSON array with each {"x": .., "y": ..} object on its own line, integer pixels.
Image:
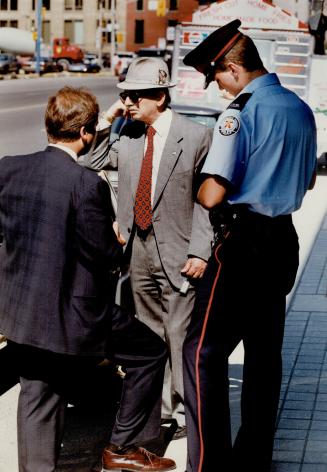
[
  {"x": 22, "y": 106},
  {"x": 23, "y": 103}
]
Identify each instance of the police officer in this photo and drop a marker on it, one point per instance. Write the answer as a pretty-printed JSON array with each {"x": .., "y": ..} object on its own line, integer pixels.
[{"x": 261, "y": 163}]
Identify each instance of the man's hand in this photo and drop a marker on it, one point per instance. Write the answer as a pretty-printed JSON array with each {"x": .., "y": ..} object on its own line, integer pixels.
[
  {"x": 116, "y": 109},
  {"x": 120, "y": 238},
  {"x": 194, "y": 268}
]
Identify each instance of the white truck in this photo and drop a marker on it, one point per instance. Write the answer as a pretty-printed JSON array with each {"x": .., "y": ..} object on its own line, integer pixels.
[{"x": 285, "y": 46}]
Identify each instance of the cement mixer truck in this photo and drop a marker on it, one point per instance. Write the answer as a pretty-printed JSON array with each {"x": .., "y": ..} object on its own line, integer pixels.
[{"x": 18, "y": 41}]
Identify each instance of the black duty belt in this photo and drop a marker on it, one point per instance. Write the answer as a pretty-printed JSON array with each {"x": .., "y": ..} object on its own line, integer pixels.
[{"x": 224, "y": 217}]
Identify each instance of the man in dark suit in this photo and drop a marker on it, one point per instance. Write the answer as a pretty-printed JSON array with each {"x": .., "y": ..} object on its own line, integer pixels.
[{"x": 57, "y": 263}]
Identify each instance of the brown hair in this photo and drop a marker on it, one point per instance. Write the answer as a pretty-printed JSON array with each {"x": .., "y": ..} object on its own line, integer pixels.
[
  {"x": 68, "y": 110},
  {"x": 244, "y": 53}
]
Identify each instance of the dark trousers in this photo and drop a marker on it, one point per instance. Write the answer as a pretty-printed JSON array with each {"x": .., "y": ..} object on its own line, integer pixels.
[
  {"x": 46, "y": 378},
  {"x": 241, "y": 297}
]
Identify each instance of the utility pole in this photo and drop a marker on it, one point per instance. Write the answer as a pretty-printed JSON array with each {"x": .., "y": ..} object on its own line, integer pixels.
[
  {"x": 39, "y": 35},
  {"x": 113, "y": 36},
  {"x": 100, "y": 34}
]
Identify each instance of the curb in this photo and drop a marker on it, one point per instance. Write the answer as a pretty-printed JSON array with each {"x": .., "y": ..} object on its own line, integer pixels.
[{"x": 29, "y": 76}]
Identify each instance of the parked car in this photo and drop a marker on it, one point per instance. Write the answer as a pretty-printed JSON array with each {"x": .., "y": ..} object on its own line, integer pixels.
[
  {"x": 122, "y": 75},
  {"x": 84, "y": 67},
  {"x": 8, "y": 63},
  {"x": 201, "y": 114},
  {"x": 152, "y": 52},
  {"x": 90, "y": 58},
  {"x": 47, "y": 64},
  {"x": 121, "y": 60}
]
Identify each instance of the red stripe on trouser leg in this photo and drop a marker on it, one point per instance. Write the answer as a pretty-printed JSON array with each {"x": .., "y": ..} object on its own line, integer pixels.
[{"x": 197, "y": 373}]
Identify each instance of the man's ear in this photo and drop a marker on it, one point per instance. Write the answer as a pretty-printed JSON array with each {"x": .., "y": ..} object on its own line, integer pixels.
[
  {"x": 82, "y": 132},
  {"x": 234, "y": 69},
  {"x": 161, "y": 100}
]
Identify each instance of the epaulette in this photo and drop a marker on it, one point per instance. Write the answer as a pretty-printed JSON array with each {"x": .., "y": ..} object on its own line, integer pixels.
[{"x": 240, "y": 102}]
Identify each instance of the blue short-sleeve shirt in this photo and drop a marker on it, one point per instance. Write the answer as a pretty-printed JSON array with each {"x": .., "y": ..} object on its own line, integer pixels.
[{"x": 264, "y": 144}]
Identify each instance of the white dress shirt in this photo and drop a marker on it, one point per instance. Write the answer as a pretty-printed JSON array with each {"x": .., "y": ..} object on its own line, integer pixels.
[
  {"x": 162, "y": 126},
  {"x": 66, "y": 149}
]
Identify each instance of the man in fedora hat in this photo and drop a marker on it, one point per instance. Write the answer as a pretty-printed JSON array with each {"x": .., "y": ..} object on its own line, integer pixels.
[
  {"x": 168, "y": 235},
  {"x": 261, "y": 163}
]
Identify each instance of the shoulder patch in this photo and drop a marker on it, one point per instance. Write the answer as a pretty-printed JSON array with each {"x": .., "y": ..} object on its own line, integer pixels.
[
  {"x": 229, "y": 125},
  {"x": 240, "y": 102}
]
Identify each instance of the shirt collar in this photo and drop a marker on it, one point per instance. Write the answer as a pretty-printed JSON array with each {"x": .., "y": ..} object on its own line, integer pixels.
[
  {"x": 262, "y": 81},
  {"x": 66, "y": 149},
  {"x": 163, "y": 122}
]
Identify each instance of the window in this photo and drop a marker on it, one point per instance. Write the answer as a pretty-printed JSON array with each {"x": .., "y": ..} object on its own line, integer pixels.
[
  {"x": 73, "y": 4},
  {"x": 106, "y": 35},
  {"x": 46, "y": 4},
  {"x": 14, "y": 5},
  {"x": 11, "y": 23},
  {"x": 105, "y": 4},
  {"x": 74, "y": 30},
  {"x": 173, "y": 5},
  {"x": 4, "y": 4},
  {"x": 139, "y": 4},
  {"x": 139, "y": 31},
  {"x": 46, "y": 31}
]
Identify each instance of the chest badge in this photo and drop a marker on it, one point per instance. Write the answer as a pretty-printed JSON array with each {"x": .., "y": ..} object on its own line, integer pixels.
[{"x": 229, "y": 125}]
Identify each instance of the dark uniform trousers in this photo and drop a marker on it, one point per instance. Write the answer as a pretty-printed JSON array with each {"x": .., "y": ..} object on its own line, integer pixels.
[
  {"x": 46, "y": 379},
  {"x": 241, "y": 297}
]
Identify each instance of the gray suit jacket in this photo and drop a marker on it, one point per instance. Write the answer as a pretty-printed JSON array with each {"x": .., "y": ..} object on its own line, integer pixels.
[{"x": 181, "y": 225}]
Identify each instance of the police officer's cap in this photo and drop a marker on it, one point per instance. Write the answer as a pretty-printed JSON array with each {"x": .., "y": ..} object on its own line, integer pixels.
[{"x": 212, "y": 49}]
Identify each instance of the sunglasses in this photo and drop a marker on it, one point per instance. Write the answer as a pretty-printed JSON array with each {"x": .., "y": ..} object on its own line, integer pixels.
[{"x": 136, "y": 95}]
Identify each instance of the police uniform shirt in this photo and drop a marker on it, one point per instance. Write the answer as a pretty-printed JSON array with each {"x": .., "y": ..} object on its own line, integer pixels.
[{"x": 265, "y": 145}]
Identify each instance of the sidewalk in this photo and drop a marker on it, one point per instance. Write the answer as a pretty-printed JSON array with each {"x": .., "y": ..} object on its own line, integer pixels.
[{"x": 301, "y": 437}]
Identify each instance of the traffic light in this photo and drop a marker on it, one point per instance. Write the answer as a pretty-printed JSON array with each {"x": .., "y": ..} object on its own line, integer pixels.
[
  {"x": 161, "y": 7},
  {"x": 119, "y": 37},
  {"x": 34, "y": 35}
]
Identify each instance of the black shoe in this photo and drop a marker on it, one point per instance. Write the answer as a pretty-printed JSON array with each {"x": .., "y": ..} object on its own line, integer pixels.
[{"x": 180, "y": 433}]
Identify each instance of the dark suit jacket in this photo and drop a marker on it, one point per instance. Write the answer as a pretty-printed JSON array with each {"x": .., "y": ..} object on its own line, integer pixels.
[{"x": 58, "y": 250}]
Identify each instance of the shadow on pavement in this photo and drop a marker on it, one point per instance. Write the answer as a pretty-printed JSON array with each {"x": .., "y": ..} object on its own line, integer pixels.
[{"x": 89, "y": 422}]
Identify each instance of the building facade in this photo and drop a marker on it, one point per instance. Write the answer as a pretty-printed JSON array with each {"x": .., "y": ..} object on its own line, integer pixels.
[
  {"x": 137, "y": 23},
  {"x": 151, "y": 22},
  {"x": 84, "y": 22}
]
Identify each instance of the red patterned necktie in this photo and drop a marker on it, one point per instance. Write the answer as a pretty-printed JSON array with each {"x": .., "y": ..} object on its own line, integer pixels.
[{"x": 143, "y": 208}]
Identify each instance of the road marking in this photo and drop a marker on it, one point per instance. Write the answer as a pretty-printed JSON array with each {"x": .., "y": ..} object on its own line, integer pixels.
[{"x": 22, "y": 108}]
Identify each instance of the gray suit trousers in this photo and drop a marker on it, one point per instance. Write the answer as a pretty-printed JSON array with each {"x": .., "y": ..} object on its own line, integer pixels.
[{"x": 166, "y": 312}]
